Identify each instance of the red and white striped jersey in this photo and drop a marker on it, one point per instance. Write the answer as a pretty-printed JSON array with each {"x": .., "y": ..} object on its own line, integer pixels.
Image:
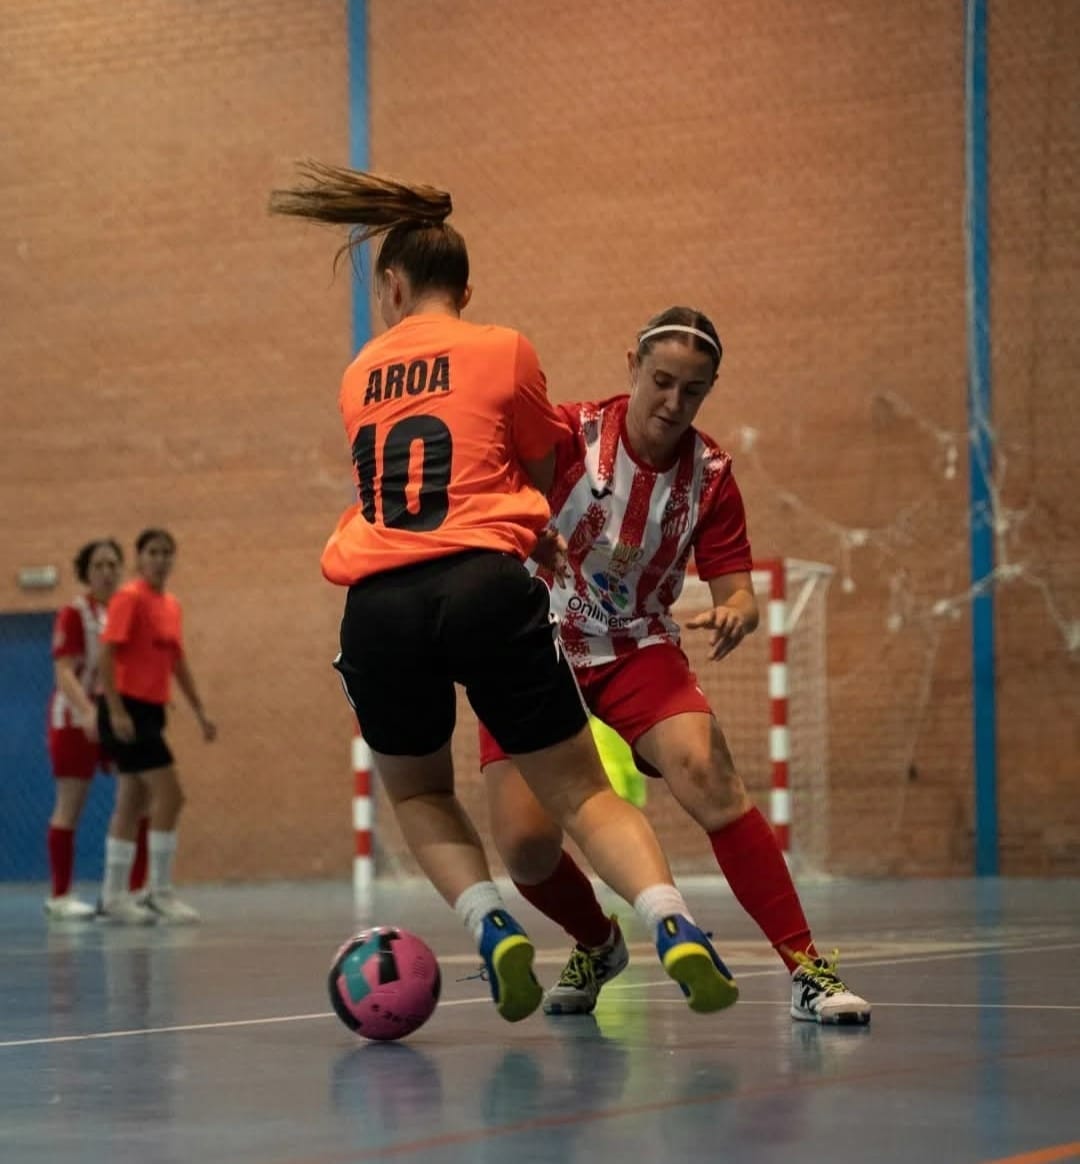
[
  {"x": 630, "y": 530},
  {"x": 75, "y": 636}
]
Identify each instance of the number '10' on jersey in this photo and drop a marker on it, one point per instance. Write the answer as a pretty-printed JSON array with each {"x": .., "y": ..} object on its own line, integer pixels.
[{"x": 440, "y": 414}]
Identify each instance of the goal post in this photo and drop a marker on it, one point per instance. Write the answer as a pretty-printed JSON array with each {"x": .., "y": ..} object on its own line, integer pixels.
[{"x": 769, "y": 695}]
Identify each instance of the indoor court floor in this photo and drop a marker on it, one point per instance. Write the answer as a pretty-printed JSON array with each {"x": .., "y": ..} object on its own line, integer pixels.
[{"x": 217, "y": 1043}]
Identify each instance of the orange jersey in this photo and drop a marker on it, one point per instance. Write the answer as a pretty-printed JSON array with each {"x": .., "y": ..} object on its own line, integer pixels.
[
  {"x": 143, "y": 626},
  {"x": 440, "y": 415}
]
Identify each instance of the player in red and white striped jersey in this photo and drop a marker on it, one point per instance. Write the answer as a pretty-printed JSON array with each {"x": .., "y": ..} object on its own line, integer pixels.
[
  {"x": 74, "y": 752},
  {"x": 638, "y": 491},
  {"x": 630, "y": 528}
]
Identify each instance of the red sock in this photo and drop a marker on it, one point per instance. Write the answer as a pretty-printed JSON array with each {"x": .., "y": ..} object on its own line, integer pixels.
[
  {"x": 751, "y": 860},
  {"x": 61, "y": 858},
  {"x": 568, "y": 899},
  {"x": 138, "y": 867}
]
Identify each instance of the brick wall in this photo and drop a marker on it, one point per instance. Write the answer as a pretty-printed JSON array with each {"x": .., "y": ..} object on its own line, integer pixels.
[{"x": 172, "y": 354}]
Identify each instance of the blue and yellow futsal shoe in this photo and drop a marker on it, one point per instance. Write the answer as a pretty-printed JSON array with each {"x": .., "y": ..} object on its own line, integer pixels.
[
  {"x": 508, "y": 959},
  {"x": 687, "y": 956}
]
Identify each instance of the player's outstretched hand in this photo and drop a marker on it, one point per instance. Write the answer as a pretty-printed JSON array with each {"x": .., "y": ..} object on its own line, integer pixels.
[
  {"x": 122, "y": 725},
  {"x": 727, "y": 625},
  {"x": 550, "y": 553},
  {"x": 88, "y": 723},
  {"x": 209, "y": 728}
]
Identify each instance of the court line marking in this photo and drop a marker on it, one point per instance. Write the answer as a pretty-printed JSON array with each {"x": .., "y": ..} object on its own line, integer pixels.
[
  {"x": 324, "y": 1014},
  {"x": 622, "y": 1111},
  {"x": 615, "y": 986},
  {"x": 186, "y": 1027},
  {"x": 877, "y": 1004},
  {"x": 1042, "y": 1155},
  {"x": 858, "y": 964}
]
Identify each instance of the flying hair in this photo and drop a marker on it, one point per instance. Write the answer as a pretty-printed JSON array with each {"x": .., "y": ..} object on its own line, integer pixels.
[{"x": 412, "y": 216}]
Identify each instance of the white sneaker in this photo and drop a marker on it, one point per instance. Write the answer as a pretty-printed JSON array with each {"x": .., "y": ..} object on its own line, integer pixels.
[
  {"x": 68, "y": 908},
  {"x": 170, "y": 908},
  {"x": 819, "y": 996},
  {"x": 585, "y": 973},
  {"x": 125, "y": 911}
]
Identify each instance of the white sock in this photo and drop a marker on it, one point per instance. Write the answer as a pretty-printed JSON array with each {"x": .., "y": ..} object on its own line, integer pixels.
[
  {"x": 475, "y": 903},
  {"x": 657, "y": 902},
  {"x": 119, "y": 857},
  {"x": 161, "y": 848}
]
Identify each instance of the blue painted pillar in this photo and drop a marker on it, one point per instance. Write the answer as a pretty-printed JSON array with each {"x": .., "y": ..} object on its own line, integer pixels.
[
  {"x": 980, "y": 441},
  {"x": 359, "y": 149}
]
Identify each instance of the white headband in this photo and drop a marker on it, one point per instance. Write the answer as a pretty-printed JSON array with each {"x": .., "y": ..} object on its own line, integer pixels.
[{"x": 680, "y": 327}]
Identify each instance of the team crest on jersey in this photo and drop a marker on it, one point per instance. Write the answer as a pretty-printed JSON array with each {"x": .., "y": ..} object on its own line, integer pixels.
[
  {"x": 607, "y": 584},
  {"x": 676, "y": 521},
  {"x": 624, "y": 558},
  {"x": 611, "y": 592}
]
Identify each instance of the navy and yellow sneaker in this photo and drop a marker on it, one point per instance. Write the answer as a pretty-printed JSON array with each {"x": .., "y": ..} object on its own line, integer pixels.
[
  {"x": 687, "y": 955},
  {"x": 508, "y": 958}
]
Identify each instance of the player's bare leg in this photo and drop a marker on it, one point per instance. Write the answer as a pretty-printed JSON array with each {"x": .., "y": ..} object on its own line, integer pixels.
[
  {"x": 530, "y": 843},
  {"x": 691, "y": 752},
  {"x": 70, "y": 799},
  {"x": 569, "y": 781},
  {"x": 448, "y": 849},
  {"x": 118, "y": 905},
  {"x": 166, "y": 802}
]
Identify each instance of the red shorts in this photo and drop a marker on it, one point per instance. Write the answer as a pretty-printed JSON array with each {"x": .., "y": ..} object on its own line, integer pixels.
[
  {"x": 73, "y": 755},
  {"x": 631, "y": 695}
]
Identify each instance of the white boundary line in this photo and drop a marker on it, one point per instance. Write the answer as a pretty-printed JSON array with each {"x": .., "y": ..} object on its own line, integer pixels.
[
  {"x": 255, "y": 1022},
  {"x": 879, "y": 1005},
  {"x": 615, "y": 986}
]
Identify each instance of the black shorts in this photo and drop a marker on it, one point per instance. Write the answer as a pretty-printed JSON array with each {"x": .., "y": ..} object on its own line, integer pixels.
[
  {"x": 477, "y": 618},
  {"x": 148, "y": 750}
]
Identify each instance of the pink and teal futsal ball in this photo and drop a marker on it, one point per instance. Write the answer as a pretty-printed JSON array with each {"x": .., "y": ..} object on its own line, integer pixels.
[{"x": 384, "y": 983}]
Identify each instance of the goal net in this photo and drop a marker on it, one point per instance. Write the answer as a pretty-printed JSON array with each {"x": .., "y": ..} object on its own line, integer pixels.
[{"x": 770, "y": 697}]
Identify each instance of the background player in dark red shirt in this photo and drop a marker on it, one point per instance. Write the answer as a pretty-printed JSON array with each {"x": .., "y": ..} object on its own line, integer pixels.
[{"x": 74, "y": 752}]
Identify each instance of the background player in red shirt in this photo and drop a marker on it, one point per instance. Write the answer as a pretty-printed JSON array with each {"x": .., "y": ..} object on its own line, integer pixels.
[
  {"x": 74, "y": 752},
  {"x": 142, "y": 650},
  {"x": 451, "y": 430},
  {"x": 637, "y": 491}
]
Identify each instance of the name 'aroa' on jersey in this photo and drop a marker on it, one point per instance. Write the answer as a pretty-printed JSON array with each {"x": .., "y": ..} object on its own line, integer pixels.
[{"x": 413, "y": 379}]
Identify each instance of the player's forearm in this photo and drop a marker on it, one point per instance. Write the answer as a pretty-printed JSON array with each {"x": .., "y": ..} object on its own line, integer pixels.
[
  {"x": 70, "y": 687},
  {"x": 542, "y": 472},
  {"x": 736, "y": 591},
  {"x": 186, "y": 682},
  {"x": 107, "y": 674},
  {"x": 745, "y": 603}
]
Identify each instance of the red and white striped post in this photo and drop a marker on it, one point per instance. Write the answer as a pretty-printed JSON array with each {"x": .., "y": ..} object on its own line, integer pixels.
[
  {"x": 363, "y": 862},
  {"x": 779, "y": 739}
]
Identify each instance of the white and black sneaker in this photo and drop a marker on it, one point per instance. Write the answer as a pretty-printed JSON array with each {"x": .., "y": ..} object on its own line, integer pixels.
[
  {"x": 819, "y": 996},
  {"x": 125, "y": 911},
  {"x": 170, "y": 909},
  {"x": 585, "y": 973},
  {"x": 68, "y": 908}
]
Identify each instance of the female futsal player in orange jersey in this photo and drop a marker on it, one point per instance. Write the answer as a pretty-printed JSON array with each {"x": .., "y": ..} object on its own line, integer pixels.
[
  {"x": 453, "y": 441},
  {"x": 141, "y": 652}
]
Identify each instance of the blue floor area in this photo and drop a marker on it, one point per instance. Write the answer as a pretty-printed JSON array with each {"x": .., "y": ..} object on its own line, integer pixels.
[{"x": 217, "y": 1043}]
